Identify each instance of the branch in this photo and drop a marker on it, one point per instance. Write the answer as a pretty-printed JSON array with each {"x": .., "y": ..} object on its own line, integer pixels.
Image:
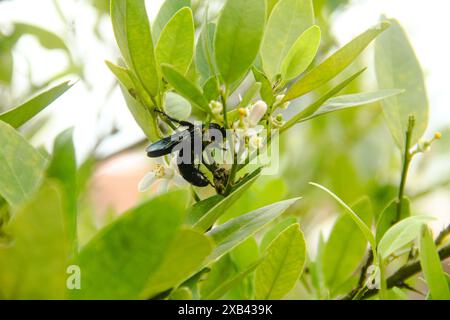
[{"x": 398, "y": 278}]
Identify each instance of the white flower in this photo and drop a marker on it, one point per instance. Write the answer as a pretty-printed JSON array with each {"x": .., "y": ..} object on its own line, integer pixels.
[
  {"x": 257, "y": 112},
  {"x": 163, "y": 176}
]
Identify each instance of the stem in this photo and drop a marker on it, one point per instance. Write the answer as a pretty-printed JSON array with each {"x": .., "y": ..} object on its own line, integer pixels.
[
  {"x": 405, "y": 272},
  {"x": 407, "y": 156},
  {"x": 383, "y": 283},
  {"x": 398, "y": 278},
  {"x": 224, "y": 94}
]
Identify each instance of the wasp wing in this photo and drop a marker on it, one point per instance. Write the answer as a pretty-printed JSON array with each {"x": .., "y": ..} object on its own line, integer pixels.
[{"x": 166, "y": 145}]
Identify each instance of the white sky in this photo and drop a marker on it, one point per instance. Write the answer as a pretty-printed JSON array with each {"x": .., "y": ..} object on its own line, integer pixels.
[{"x": 424, "y": 21}]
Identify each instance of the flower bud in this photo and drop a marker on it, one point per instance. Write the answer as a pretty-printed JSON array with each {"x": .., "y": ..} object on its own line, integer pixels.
[{"x": 257, "y": 112}]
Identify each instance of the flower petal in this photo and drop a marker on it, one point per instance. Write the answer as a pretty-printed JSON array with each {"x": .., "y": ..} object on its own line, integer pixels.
[
  {"x": 147, "y": 181},
  {"x": 163, "y": 186}
]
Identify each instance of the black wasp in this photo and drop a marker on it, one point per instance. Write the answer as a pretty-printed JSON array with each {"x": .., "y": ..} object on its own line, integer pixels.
[{"x": 189, "y": 145}]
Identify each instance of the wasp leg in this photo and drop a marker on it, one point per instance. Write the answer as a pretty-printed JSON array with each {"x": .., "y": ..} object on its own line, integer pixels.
[{"x": 180, "y": 122}]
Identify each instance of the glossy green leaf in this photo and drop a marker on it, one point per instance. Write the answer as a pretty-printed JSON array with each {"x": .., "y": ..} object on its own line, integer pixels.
[
  {"x": 431, "y": 267},
  {"x": 230, "y": 234},
  {"x": 211, "y": 89},
  {"x": 219, "y": 271},
  {"x": 20, "y": 115},
  {"x": 355, "y": 217},
  {"x": 121, "y": 259},
  {"x": 245, "y": 254},
  {"x": 282, "y": 266},
  {"x": 273, "y": 232},
  {"x": 250, "y": 94},
  {"x": 397, "y": 67},
  {"x": 182, "y": 293},
  {"x": 346, "y": 246},
  {"x": 238, "y": 36},
  {"x": 389, "y": 216},
  {"x": 183, "y": 258},
  {"x": 63, "y": 167},
  {"x": 185, "y": 87},
  {"x": 205, "y": 213},
  {"x": 34, "y": 266},
  {"x": 204, "y": 56},
  {"x": 289, "y": 19},
  {"x": 302, "y": 54},
  {"x": 267, "y": 190},
  {"x": 133, "y": 35},
  {"x": 228, "y": 284},
  {"x": 266, "y": 91},
  {"x": 270, "y": 5},
  {"x": 21, "y": 166},
  {"x": 353, "y": 100},
  {"x": 176, "y": 106},
  {"x": 166, "y": 12},
  {"x": 176, "y": 43},
  {"x": 334, "y": 64},
  {"x": 310, "y": 110},
  {"x": 400, "y": 234}
]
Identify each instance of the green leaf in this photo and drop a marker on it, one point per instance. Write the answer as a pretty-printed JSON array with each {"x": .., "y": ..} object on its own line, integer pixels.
[
  {"x": 205, "y": 213},
  {"x": 211, "y": 89},
  {"x": 121, "y": 259},
  {"x": 353, "y": 100},
  {"x": 6, "y": 62},
  {"x": 132, "y": 91},
  {"x": 270, "y": 5},
  {"x": 397, "y": 294},
  {"x": 21, "y": 166},
  {"x": 400, "y": 234},
  {"x": 245, "y": 254},
  {"x": 185, "y": 88},
  {"x": 220, "y": 270},
  {"x": 122, "y": 75},
  {"x": 63, "y": 167},
  {"x": 228, "y": 284},
  {"x": 34, "y": 266},
  {"x": 301, "y": 54},
  {"x": 182, "y": 293},
  {"x": 431, "y": 267},
  {"x": 388, "y": 216},
  {"x": 334, "y": 64},
  {"x": 176, "y": 43},
  {"x": 238, "y": 37},
  {"x": 346, "y": 246},
  {"x": 397, "y": 67},
  {"x": 133, "y": 35},
  {"x": 183, "y": 258},
  {"x": 232, "y": 233},
  {"x": 47, "y": 39},
  {"x": 282, "y": 266},
  {"x": 273, "y": 232},
  {"x": 266, "y": 91},
  {"x": 310, "y": 110},
  {"x": 355, "y": 217},
  {"x": 166, "y": 12},
  {"x": 289, "y": 19},
  {"x": 20, "y": 115},
  {"x": 204, "y": 56},
  {"x": 250, "y": 94},
  {"x": 177, "y": 107}
]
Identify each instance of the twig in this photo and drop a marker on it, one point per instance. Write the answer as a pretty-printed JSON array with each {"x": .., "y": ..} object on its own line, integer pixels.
[
  {"x": 398, "y": 278},
  {"x": 407, "y": 156}
]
